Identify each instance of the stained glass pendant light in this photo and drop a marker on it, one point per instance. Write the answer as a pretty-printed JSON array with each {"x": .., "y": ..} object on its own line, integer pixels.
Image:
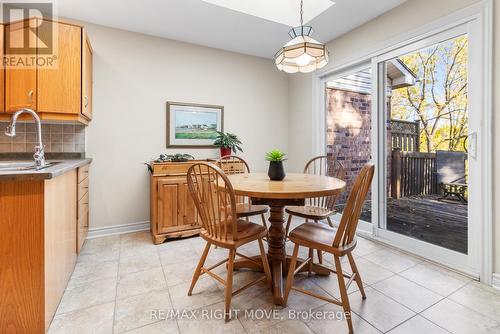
[{"x": 302, "y": 53}]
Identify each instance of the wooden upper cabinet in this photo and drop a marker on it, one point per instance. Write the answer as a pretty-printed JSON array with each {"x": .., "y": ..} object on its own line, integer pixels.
[
  {"x": 87, "y": 77},
  {"x": 20, "y": 80},
  {"x": 57, "y": 89},
  {"x": 59, "y": 86},
  {"x": 2, "y": 72}
]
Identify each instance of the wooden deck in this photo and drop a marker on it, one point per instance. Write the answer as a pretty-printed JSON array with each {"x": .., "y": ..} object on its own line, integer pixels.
[{"x": 442, "y": 223}]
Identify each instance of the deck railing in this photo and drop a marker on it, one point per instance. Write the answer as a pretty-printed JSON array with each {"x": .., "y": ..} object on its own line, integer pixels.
[{"x": 413, "y": 173}]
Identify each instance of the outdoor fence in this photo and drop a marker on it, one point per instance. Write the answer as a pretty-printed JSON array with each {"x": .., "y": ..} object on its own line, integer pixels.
[{"x": 413, "y": 173}]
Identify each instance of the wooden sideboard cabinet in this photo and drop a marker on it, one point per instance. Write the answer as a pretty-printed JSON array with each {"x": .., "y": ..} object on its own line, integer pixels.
[{"x": 173, "y": 212}]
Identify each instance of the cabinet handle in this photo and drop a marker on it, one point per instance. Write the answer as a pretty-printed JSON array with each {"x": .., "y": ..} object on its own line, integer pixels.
[
  {"x": 30, "y": 96},
  {"x": 86, "y": 102}
]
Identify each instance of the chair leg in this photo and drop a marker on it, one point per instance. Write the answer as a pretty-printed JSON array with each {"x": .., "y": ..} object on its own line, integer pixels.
[
  {"x": 343, "y": 293},
  {"x": 287, "y": 229},
  {"x": 197, "y": 271},
  {"x": 228, "y": 292},
  {"x": 358, "y": 280},
  {"x": 310, "y": 264},
  {"x": 263, "y": 220},
  {"x": 265, "y": 263},
  {"x": 291, "y": 269},
  {"x": 320, "y": 256}
]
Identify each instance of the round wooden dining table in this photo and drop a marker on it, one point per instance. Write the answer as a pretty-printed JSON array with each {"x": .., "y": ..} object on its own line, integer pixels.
[{"x": 293, "y": 190}]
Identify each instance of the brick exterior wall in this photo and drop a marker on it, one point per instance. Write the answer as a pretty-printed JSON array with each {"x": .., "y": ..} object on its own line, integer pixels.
[{"x": 349, "y": 133}]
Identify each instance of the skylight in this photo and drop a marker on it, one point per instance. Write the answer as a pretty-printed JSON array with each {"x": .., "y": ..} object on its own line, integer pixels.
[{"x": 280, "y": 11}]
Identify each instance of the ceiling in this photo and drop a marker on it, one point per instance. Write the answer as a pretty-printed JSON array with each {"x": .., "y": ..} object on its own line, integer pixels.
[{"x": 203, "y": 23}]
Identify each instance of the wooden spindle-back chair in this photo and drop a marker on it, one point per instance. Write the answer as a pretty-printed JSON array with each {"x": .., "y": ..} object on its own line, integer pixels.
[
  {"x": 324, "y": 166},
  {"x": 318, "y": 208},
  {"x": 232, "y": 164},
  {"x": 339, "y": 243},
  {"x": 215, "y": 201}
]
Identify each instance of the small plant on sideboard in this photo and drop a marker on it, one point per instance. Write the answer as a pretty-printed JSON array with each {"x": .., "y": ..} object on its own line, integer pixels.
[{"x": 228, "y": 143}]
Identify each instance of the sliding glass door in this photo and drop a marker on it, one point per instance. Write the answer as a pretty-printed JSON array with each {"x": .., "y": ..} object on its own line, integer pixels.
[
  {"x": 428, "y": 124},
  {"x": 416, "y": 111}
]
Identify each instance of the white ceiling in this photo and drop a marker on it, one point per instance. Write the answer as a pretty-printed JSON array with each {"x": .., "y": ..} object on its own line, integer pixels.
[{"x": 199, "y": 22}]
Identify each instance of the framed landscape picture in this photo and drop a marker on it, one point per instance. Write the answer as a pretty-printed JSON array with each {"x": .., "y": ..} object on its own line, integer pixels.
[{"x": 193, "y": 125}]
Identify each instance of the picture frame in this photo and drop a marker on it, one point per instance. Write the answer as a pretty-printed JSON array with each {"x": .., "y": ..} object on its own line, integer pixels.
[{"x": 192, "y": 125}]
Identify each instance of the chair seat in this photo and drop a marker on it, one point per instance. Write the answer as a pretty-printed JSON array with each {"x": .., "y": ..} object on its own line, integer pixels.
[
  {"x": 309, "y": 212},
  {"x": 247, "y": 209},
  {"x": 246, "y": 232},
  {"x": 318, "y": 236}
]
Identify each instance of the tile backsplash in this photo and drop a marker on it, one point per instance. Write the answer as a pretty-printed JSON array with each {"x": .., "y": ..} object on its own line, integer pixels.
[{"x": 60, "y": 137}]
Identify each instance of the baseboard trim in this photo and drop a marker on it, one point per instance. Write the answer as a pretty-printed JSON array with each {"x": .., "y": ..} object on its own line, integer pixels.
[
  {"x": 495, "y": 282},
  {"x": 118, "y": 229}
]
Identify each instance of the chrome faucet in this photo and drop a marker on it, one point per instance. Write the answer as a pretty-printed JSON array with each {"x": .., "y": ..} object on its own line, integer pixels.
[{"x": 39, "y": 154}]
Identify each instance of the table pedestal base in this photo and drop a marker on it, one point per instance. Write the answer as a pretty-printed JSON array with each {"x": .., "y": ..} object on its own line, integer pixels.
[{"x": 278, "y": 261}]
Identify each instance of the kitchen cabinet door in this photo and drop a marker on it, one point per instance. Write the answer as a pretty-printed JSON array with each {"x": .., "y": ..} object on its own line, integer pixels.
[
  {"x": 20, "y": 77},
  {"x": 2, "y": 72},
  {"x": 60, "y": 85},
  {"x": 87, "y": 77}
]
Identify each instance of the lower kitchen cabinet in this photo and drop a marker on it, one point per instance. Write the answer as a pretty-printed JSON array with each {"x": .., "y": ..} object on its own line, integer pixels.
[
  {"x": 42, "y": 223},
  {"x": 82, "y": 206},
  {"x": 37, "y": 250}
]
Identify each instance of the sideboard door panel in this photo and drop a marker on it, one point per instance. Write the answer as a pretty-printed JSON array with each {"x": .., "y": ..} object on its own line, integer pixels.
[
  {"x": 167, "y": 205},
  {"x": 187, "y": 209}
]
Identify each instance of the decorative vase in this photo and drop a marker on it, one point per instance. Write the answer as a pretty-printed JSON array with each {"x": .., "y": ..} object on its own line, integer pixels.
[
  {"x": 225, "y": 151},
  {"x": 276, "y": 171}
]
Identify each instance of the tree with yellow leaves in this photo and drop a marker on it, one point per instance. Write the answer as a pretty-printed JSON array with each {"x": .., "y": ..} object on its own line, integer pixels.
[{"x": 439, "y": 98}]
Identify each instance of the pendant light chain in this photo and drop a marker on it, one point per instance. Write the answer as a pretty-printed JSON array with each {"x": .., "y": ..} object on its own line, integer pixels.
[{"x": 301, "y": 13}]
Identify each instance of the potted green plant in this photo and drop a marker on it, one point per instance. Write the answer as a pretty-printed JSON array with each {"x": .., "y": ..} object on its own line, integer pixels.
[
  {"x": 228, "y": 143},
  {"x": 276, "y": 171}
]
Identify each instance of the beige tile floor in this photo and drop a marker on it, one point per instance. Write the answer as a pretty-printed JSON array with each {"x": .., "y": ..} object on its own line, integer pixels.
[{"x": 120, "y": 280}]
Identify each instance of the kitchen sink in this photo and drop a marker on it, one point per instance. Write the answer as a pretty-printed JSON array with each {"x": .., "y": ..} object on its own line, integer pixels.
[{"x": 9, "y": 166}]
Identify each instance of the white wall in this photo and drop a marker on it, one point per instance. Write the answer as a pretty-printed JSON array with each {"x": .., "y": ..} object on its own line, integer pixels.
[
  {"x": 496, "y": 137},
  {"x": 409, "y": 16},
  {"x": 134, "y": 76}
]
